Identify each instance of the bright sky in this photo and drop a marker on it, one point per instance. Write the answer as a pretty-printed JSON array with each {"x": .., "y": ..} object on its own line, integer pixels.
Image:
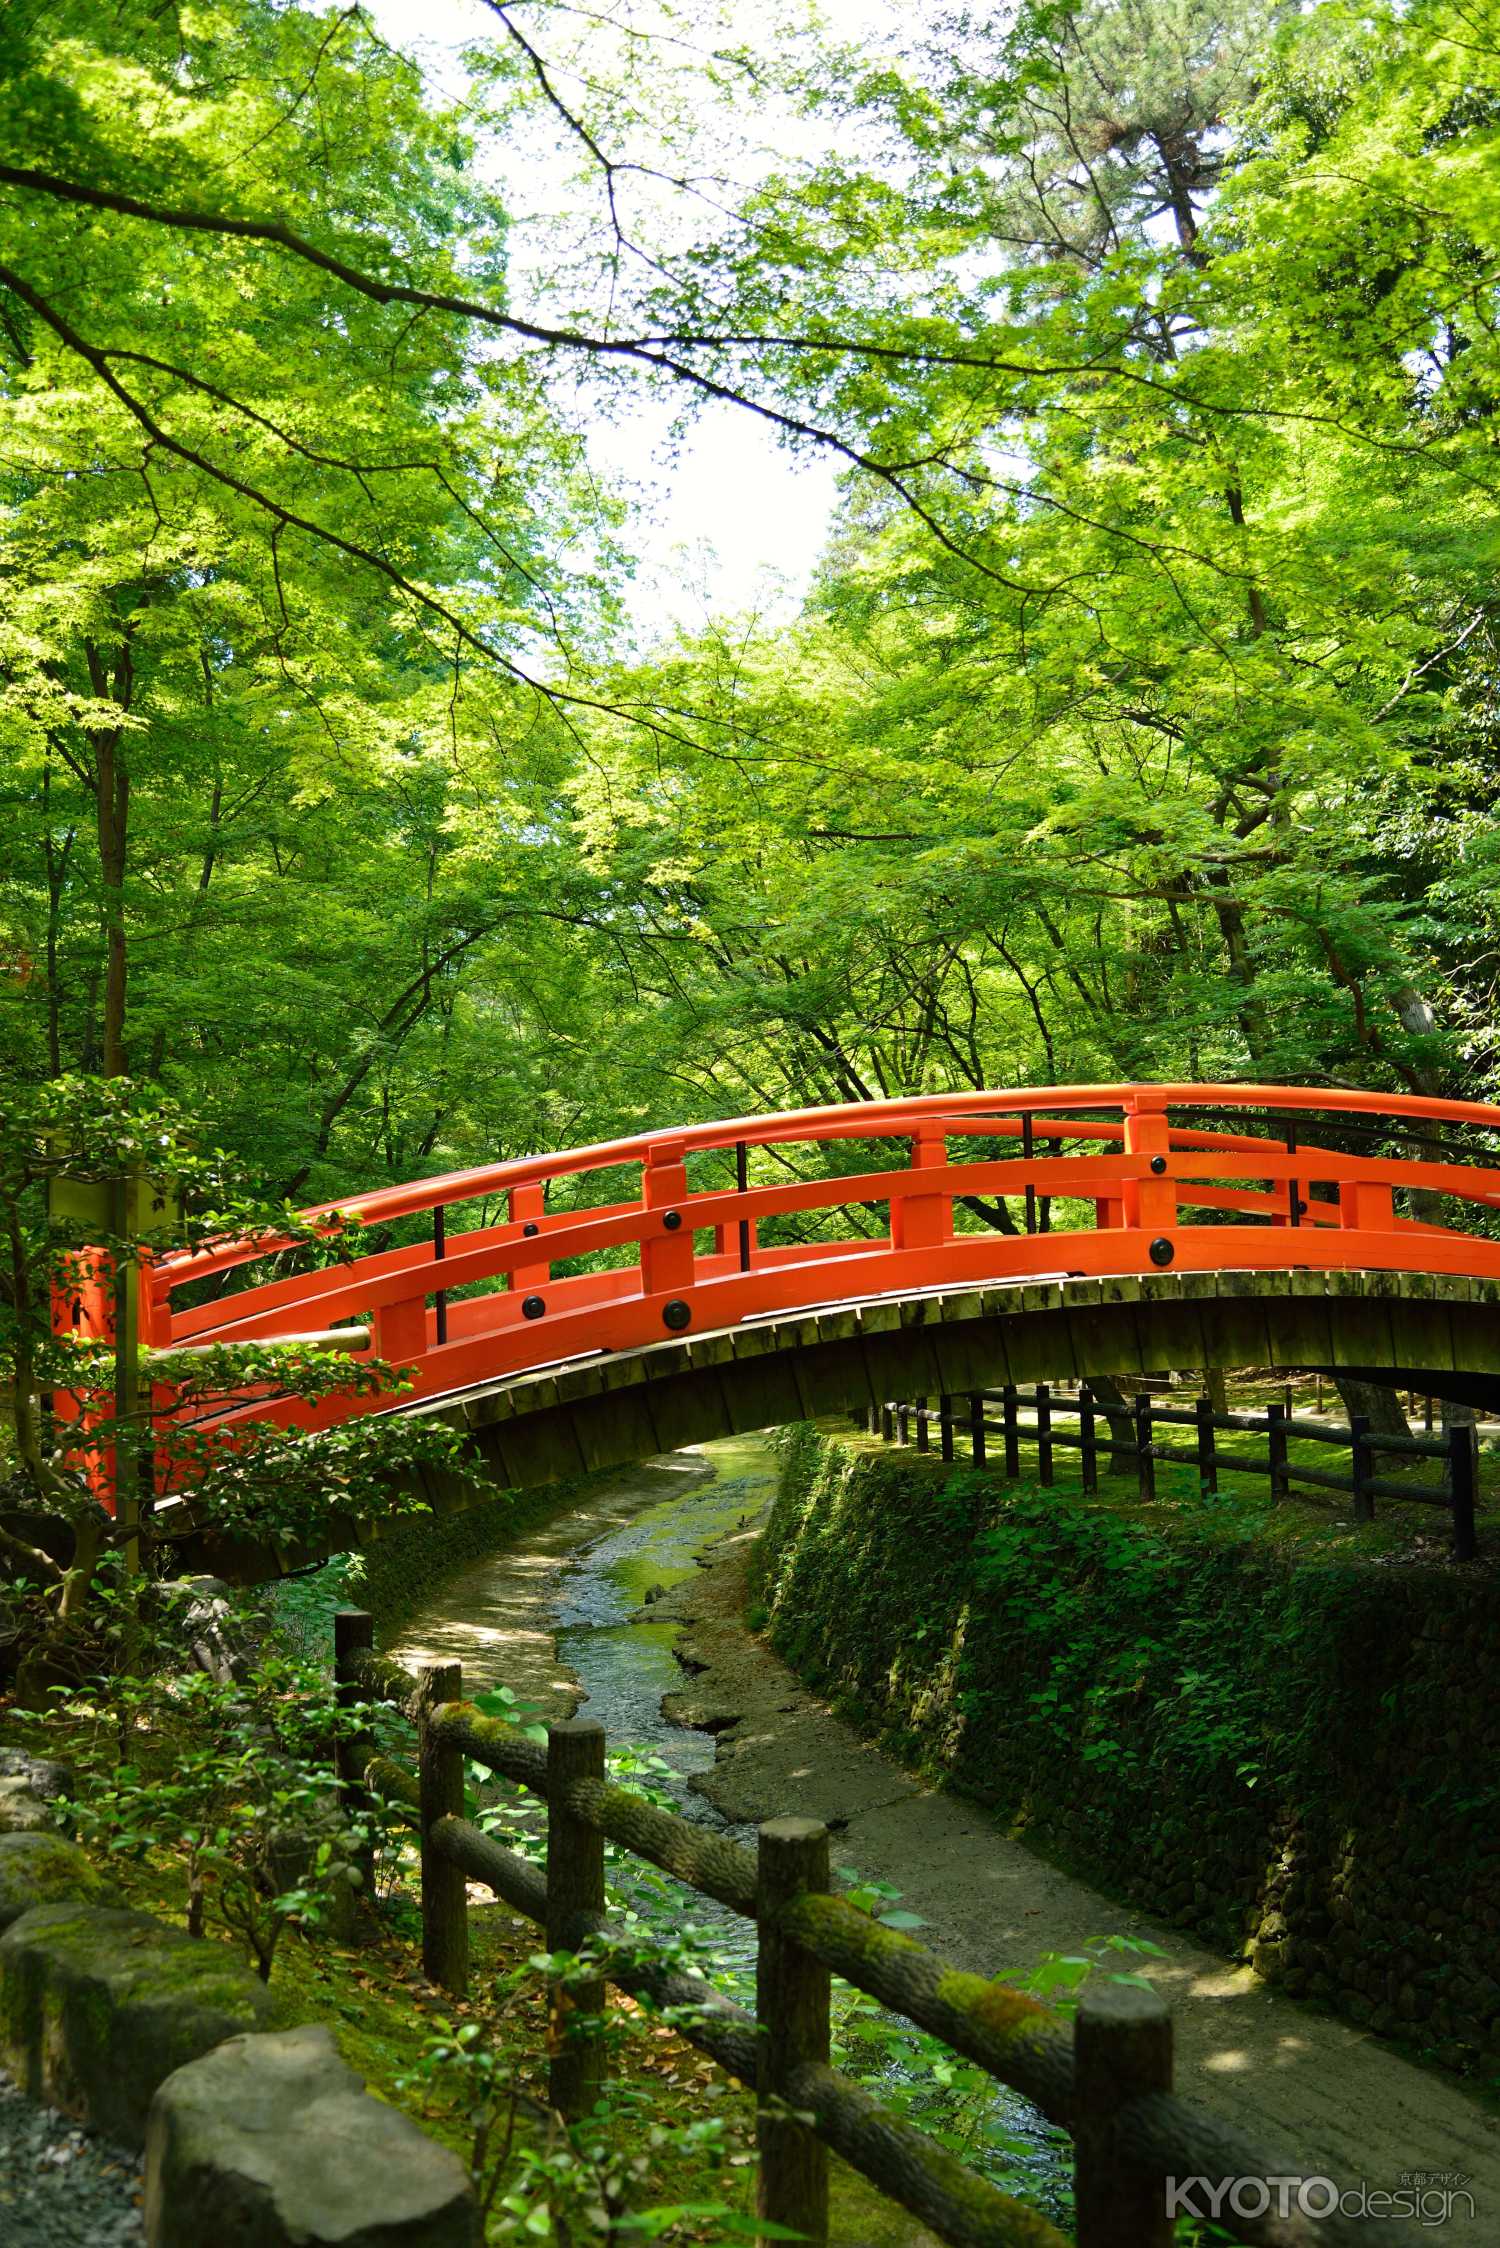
[{"x": 727, "y": 519}]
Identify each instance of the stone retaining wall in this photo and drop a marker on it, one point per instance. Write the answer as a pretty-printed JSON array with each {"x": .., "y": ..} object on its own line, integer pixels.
[
  {"x": 1298, "y": 1759},
  {"x": 253, "y": 2127}
]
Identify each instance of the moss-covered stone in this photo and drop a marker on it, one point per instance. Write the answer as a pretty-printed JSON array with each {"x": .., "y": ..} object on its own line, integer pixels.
[
  {"x": 99, "y": 2005},
  {"x": 42, "y": 1867},
  {"x": 269, "y": 2140},
  {"x": 1294, "y": 1751}
]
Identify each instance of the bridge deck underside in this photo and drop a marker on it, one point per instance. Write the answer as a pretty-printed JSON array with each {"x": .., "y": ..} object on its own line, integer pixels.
[{"x": 1435, "y": 1332}]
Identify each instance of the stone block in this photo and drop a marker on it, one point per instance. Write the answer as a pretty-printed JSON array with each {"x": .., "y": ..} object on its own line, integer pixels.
[
  {"x": 271, "y": 2140},
  {"x": 42, "y": 1867},
  {"x": 98, "y": 2005}
]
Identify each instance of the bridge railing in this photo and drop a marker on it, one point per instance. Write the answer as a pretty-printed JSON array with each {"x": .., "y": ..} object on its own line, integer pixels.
[
  {"x": 1089, "y": 1180},
  {"x": 1097, "y": 1435},
  {"x": 1106, "y": 2076}
]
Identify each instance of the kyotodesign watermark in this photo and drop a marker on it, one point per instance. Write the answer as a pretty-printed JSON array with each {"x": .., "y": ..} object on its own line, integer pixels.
[{"x": 1426, "y": 2197}]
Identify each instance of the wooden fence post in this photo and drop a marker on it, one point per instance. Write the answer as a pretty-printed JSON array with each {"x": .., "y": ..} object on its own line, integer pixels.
[
  {"x": 1276, "y": 1449},
  {"x": 872, "y": 1420},
  {"x": 976, "y": 1426},
  {"x": 924, "y": 1440},
  {"x": 945, "y": 1426},
  {"x": 1043, "y": 1433},
  {"x": 887, "y": 1424},
  {"x": 1463, "y": 1476},
  {"x": 1208, "y": 1451},
  {"x": 440, "y": 1781},
  {"x": 1012, "y": 1433},
  {"x": 1360, "y": 1466},
  {"x": 575, "y": 1886},
  {"x": 1088, "y": 1446},
  {"x": 791, "y": 2012},
  {"x": 1145, "y": 1464},
  {"x": 1122, "y": 2050},
  {"x": 903, "y": 1424},
  {"x": 353, "y": 1636}
]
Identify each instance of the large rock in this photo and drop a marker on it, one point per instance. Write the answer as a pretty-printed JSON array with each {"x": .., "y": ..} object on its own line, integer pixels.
[
  {"x": 99, "y": 2005},
  {"x": 272, "y": 2140},
  {"x": 42, "y": 1868},
  {"x": 21, "y": 1812},
  {"x": 42, "y": 1775}
]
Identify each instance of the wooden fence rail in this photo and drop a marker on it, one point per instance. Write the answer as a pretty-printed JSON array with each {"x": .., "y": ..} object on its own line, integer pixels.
[
  {"x": 1129, "y": 1432},
  {"x": 1106, "y": 2076}
]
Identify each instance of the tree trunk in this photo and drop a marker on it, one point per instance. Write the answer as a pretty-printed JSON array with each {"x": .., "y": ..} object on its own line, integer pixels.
[
  {"x": 1380, "y": 1406},
  {"x": 1116, "y": 1410},
  {"x": 112, "y": 820}
]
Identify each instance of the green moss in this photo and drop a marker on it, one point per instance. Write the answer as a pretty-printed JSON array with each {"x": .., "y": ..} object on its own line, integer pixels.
[
  {"x": 991, "y": 2005},
  {"x": 1271, "y": 1738}
]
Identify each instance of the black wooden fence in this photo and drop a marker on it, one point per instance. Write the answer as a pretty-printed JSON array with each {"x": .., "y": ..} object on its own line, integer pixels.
[
  {"x": 1096, "y": 1430},
  {"x": 1106, "y": 2076}
]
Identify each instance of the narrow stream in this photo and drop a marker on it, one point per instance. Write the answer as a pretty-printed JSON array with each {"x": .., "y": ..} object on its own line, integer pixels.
[{"x": 566, "y": 1618}]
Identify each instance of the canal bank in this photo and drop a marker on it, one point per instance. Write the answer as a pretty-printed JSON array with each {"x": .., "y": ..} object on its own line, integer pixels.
[{"x": 564, "y": 1620}]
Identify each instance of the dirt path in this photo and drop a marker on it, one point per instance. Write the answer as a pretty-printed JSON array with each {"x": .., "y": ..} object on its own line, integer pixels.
[{"x": 1281, "y": 2071}]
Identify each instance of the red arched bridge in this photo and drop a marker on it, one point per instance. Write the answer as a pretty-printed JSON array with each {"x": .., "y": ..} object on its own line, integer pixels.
[{"x": 589, "y": 1307}]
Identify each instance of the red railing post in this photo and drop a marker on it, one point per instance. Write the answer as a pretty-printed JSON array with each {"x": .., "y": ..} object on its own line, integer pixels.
[
  {"x": 667, "y": 1240},
  {"x": 1367, "y": 1205},
  {"x": 401, "y": 1330},
  {"x": 528, "y": 1207},
  {"x": 1150, "y": 1202},
  {"x": 924, "y": 1221}
]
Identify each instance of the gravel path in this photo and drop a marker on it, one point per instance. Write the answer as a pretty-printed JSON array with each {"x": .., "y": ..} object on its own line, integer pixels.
[{"x": 60, "y": 2187}]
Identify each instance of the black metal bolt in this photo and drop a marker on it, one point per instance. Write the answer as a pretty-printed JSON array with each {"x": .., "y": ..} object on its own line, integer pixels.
[
  {"x": 1162, "y": 1251},
  {"x": 533, "y": 1307},
  {"x": 1158, "y": 1164},
  {"x": 1301, "y": 1207},
  {"x": 671, "y": 1219},
  {"x": 677, "y": 1314},
  {"x": 530, "y": 1228}
]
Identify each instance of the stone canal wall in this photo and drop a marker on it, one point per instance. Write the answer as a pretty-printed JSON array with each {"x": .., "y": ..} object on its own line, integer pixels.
[{"x": 1300, "y": 1759}]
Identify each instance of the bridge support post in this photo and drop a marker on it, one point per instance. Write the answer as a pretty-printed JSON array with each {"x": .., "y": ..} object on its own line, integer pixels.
[
  {"x": 575, "y": 1889},
  {"x": 440, "y": 1781},
  {"x": 792, "y": 1991},
  {"x": 976, "y": 1427},
  {"x": 945, "y": 1426},
  {"x": 1122, "y": 2051}
]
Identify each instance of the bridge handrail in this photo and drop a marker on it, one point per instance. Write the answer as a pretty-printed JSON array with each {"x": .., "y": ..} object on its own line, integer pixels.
[{"x": 961, "y": 1112}]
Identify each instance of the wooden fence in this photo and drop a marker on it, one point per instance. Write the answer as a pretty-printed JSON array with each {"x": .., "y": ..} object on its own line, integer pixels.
[
  {"x": 1129, "y": 1431},
  {"x": 1106, "y": 2076}
]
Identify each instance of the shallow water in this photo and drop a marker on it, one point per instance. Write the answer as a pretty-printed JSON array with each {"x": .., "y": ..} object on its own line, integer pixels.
[{"x": 502, "y": 1616}]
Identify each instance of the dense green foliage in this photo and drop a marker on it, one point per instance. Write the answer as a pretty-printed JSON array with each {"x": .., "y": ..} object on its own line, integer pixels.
[{"x": 1141, "y": 720}]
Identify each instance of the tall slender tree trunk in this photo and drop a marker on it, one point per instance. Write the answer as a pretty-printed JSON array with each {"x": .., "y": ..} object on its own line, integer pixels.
[{"x": 112, "y": 820}]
